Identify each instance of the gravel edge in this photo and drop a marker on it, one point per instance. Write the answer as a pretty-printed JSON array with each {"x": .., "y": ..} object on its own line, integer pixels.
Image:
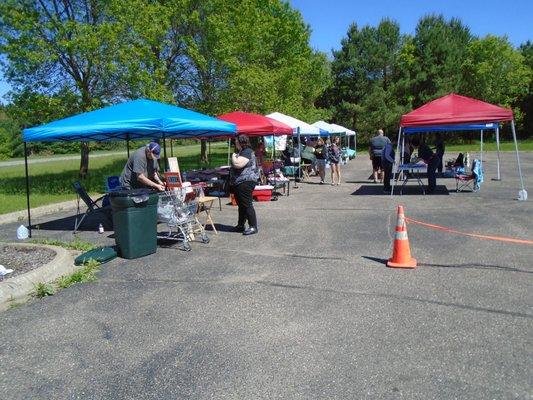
[{"x": 19, "y": 288}]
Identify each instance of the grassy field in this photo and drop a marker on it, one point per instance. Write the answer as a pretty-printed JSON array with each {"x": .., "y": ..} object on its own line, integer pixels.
[
  {"x": 525, "y": 145},
  {"x": 51, "y": 182}
]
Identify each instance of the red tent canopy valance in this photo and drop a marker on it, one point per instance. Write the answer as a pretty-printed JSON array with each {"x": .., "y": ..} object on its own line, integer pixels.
[
  {"x": 255, "y": 124},
  {"x": 455, "y": 109}
]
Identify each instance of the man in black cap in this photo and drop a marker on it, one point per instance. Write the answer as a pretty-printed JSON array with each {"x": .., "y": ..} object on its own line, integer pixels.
[{"x": 141, "y": 170}]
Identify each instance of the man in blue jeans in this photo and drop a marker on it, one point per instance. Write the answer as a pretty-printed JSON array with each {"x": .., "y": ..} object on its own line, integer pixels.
[{"x": 432, "y": 161}]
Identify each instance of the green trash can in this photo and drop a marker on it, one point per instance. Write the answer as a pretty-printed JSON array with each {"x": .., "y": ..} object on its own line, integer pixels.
[{"x": 135, "y": 222}]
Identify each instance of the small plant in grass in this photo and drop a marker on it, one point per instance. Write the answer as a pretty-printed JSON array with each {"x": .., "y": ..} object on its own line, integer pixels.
[
  {"x": 85, "y": 274},
  {"x": 44, "y": 289}
]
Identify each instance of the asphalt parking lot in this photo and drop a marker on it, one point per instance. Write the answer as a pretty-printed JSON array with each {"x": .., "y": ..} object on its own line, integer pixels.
[{"x": 306, "y": 309}]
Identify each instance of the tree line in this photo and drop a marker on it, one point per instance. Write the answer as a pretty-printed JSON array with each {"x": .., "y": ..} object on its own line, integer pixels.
[{"x": 214, "y": 56}]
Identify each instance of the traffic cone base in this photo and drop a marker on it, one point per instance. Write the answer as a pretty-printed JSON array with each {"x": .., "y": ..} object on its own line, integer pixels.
[{"x": 410, "y": 264}]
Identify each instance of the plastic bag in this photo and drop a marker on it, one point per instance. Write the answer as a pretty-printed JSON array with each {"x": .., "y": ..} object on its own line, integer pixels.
[{"x": 22, "y": 232}]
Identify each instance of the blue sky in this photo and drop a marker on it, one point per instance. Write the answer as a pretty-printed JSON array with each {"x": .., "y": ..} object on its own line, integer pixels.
[{"x": 329, "y": 20}]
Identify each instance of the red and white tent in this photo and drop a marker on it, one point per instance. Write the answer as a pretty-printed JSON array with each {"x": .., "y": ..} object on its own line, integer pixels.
[{"x": 255, "y": 124}]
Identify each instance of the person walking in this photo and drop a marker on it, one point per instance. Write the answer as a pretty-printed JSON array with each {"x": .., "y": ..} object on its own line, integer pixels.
[
  {"x": 426, "y": 154},
  {"x": 377, "y": 144},
  {"x": 334, "y": 157},
  {"x": 243, "y": 177},
  {"x": 321, "y": 153},
  {"x": 387, "y": 162},
  {"x": 141, "y": 170}
]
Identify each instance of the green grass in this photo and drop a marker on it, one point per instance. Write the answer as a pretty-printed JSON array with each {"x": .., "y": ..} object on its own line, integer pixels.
[
  {"x": 524, "y": 145},
  {"x": 51, "y": 182},
  {"x": 44, "y": 289},
  {"x": 85, "y": 274},
  {"x": 75, "y": 244}
]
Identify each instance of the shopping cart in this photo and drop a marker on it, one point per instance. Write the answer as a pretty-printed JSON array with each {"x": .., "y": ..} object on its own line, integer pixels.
[{"x": 177, "y": 210}]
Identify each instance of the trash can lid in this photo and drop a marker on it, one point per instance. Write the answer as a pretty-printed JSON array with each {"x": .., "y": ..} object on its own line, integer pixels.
[{"x": 132, "y": 192}]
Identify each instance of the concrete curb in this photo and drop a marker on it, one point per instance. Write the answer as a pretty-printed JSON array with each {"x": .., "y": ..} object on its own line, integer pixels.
[
  {"x": 36, "y": 212},
  {"x": 18, "y": 289}
]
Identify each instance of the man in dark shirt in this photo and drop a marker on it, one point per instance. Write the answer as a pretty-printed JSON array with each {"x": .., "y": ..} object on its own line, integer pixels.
[
  {"x": 377, "y": 144},
  {"x": 426, "y": 154},
  {"x": 141, "y": 169}
]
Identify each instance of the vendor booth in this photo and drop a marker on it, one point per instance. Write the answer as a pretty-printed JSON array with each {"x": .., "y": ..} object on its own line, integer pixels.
[
  {"x": 299, "y": 128},
  {"x": 137, "y": 119},
  {"x": 344, "y": 133},
  {"x": 458, "y": 113},
  {"x": 256, "y": 125}
]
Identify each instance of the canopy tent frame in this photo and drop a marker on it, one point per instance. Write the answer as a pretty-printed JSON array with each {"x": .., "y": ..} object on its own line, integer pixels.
[
  {"x": 137, "y": 119},
  {"x": 403, "y": 131},
  {"x": 456, "y": 113},
  {"x": 300, "y": 128}
]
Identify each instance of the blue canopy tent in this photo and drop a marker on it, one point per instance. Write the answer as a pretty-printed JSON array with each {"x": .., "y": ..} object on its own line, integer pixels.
[{"x": 130, "y": 120}]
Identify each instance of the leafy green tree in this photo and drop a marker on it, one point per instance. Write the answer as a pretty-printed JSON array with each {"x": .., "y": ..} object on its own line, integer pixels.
[
  {"x": 495, "y": 72},
  {"x": 526, "y": 103},
  {"x": 440, "y": 47},
  {"x": 364, "y": 78},
  {"x": 54, "y": 46}
]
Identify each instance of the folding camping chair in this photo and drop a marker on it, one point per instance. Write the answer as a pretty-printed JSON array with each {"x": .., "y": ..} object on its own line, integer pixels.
[
  {"x": 470, "y": 181},
  {"x": 92, "y": 206}
]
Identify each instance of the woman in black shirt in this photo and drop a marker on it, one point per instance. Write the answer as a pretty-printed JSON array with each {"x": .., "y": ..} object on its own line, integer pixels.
[{"x": 244, "y": 175}]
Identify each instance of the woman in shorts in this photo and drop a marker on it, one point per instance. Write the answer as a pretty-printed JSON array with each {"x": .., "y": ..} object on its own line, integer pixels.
[{"x": 334, "y": 157}]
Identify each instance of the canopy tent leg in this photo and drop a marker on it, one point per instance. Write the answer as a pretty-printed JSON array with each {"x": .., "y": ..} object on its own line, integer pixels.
[
  {"x": 128, "y": 145},
  {"x": 399, "y": 159},
  {"x": 498, "y": 176},
  {"x": 522, "y": 195},
  {"x": 209, "y": 151},
  {"x": 171, "y": 149},
  {"x": 229, "y": 149},
  {"x": 165, "y": 152},
  {"x": 293, "y": 156},
  {"x": 27, "y": 187},
  {"x": 481, "y": 151},
  {"x": 299, "y": 155}
]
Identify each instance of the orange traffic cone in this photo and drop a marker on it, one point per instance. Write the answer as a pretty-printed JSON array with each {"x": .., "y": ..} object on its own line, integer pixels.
[{"x": 401, "y": 254}]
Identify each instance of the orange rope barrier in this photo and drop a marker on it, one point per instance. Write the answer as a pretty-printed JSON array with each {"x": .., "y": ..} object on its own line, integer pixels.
[{"x": 443, "y": 228}]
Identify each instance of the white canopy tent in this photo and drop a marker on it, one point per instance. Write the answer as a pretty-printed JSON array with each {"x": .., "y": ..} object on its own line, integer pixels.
[{"x": 299, "y": 128}]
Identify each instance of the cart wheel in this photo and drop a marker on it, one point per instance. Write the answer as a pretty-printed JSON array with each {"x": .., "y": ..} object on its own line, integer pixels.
[
  {"x": 186, "y": 247},
  {"x": 205, "y": 238}
]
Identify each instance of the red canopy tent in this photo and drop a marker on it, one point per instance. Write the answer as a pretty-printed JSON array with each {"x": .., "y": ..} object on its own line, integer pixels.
[
  {"x": 255, "y": 124},
  {"x": 457, "y": 113},
  {"x": 455, "y": 109}
]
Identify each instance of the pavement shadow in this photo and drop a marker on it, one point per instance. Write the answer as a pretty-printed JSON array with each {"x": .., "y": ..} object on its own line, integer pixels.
[
  {"x": 363, "y": 182},
  {"x": 477, "y": 266},
  {"x": 91, "y": 223},
  {"x": 377, "y": 190},
  {"x": 375, "y": 259},
  {"x": 220, "y": 228}
]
